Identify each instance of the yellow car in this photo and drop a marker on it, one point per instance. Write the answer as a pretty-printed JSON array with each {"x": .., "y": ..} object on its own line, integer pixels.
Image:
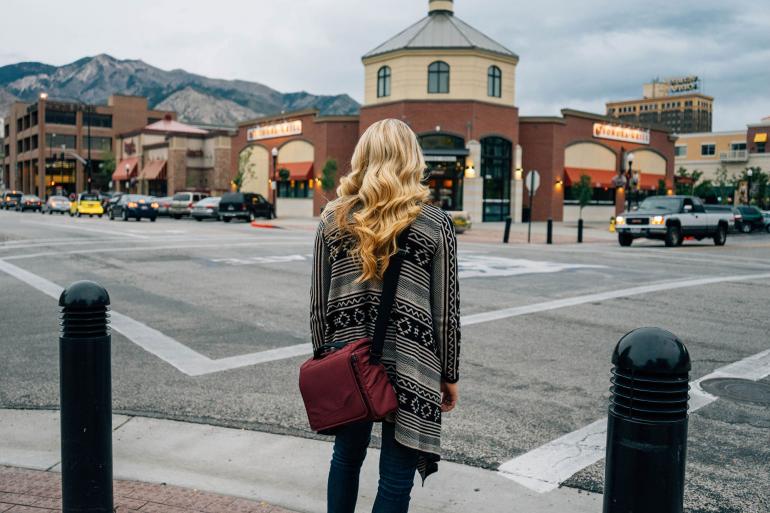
[{"x": 87, "y": 203}]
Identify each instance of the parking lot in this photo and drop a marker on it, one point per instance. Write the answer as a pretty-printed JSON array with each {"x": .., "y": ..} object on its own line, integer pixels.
[{"x": 211, "y": 324}]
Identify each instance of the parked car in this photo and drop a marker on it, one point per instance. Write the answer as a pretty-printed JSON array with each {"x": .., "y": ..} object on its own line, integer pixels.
[
  {"x": 135, "y": 206},
  {"x": 10, "y": 199},
  {"x": 86, "y": 203},
  {"x": 164, "y": 204},
  {"x": 734, "y": 215},
  {"x": 29, "y": 202},
  {"x": 114, "y": 198},
  {"x": 752, "y": 219},
  {"x": 58, "y": 204},
  {"x": 182, "y": 203},
  {"x": 207, "y": 208},
  {"x": 244, "y": 205},
  {"x": 671, "y": 219}
]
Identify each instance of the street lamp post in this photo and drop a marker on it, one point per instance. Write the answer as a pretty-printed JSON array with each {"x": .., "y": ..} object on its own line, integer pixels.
[
  {"x": 629, "y": 177},
  {"x": 274, "y": 153},
  {"x": 128, "y": 179},
  {"x": 749, "y": 174}
]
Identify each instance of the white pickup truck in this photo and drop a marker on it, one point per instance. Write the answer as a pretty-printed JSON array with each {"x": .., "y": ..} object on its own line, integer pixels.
[{"x": 671, "y": 219}]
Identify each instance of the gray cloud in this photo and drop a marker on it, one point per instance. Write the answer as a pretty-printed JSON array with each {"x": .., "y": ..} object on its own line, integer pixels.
[{"x": 573, "y": 54}]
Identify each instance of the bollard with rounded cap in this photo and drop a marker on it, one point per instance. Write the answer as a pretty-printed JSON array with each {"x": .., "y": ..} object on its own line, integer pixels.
[
  {"x": 647, "y": 424},
  {"x": 86, "y": 399}
]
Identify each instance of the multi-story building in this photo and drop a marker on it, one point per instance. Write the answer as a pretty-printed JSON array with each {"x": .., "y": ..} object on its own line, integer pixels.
[
  {"x": 733, "y": 151},
  {"x": 49, "y": 142},
  {"x": 167, "y": 156},
  {"x": 674, "y": 104}
]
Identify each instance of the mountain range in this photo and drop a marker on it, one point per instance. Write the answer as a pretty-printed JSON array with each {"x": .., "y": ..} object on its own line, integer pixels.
[{"x": 195, "y": 98}]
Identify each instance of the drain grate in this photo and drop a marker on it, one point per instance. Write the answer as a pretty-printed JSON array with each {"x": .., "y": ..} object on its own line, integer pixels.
[{"x": 742, "y": 390}]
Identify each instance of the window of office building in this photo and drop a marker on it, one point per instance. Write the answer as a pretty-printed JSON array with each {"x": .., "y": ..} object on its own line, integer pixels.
[
  {"x": 59, "y": 118},
  {"x": 680, "y": 151},
  {"x": 708, "y": 149},
  {"x": 438, "y": 77},
  {"x": 98, "y": 143},
  {"x": 97, "y": 120},
  {"x": 56, "y": 141}
]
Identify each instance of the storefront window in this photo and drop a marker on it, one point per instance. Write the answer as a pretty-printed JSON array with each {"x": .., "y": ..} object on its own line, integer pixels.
[
  {"x": 438, "y": 77},
  {"x": 494, "y": 82},
  {"x": 496, "y": 154},
  {"x": 383, "y": 82},
  {"x": 445, "y": 161},
  {"x": 294, "y": 189}
]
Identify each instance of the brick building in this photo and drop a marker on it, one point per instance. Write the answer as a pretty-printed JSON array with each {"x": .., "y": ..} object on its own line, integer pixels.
[
  {"x": 167, "y": 156},
  {"x": 47, "y": 142}
]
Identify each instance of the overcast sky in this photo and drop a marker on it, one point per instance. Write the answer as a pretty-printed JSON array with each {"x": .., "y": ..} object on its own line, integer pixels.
[{"x": 575, "y": 54}]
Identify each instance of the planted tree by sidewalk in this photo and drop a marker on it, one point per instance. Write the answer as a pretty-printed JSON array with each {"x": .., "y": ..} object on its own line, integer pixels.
[
  {"x": 583, "y": 192},
  {"x": 724, "y": 184},
  {"x": 328, "y": 179}
]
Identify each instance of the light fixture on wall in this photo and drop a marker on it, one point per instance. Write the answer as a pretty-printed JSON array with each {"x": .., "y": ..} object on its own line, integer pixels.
[
  {"x": 559, "y": 182},
  {"x": 518, "y": 173},
  {"x": 470, "y": 171}
]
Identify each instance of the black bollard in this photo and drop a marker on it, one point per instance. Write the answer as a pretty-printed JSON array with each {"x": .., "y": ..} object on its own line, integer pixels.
[
  {"x": 549, "y": 232},
  {"x": 507, "y": 233},
  {"x": 86, "y": 399},
  {"x": 580, "y": 230},
  {"x": 647, "y": 424}
]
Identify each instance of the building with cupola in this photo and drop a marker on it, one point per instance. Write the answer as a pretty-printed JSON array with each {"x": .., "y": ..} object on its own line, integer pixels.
[{"x": 456, "y": 88}]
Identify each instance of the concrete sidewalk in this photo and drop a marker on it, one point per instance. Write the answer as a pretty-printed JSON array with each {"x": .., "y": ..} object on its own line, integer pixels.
[{"x": 280, "y": 470}]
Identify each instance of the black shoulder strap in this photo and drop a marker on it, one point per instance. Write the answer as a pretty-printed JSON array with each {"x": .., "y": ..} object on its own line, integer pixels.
[{"x": 389, "y": 285}]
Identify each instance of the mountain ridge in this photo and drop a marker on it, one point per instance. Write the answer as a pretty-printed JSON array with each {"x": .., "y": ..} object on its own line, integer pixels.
[{"x": 196, "y": 98}]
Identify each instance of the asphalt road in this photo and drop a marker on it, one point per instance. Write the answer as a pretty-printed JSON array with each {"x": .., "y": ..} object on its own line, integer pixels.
[{"x": 528, "y": 376}]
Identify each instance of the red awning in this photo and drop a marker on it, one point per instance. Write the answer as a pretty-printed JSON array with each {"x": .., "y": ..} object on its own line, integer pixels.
[
  {"x": 297, "y": 170},
  {"x": 650, "y": 181},
  {"x": 154, "y": 170},
  {"x": 123, "y": 174},
  {"x": 599, "y": 177}
]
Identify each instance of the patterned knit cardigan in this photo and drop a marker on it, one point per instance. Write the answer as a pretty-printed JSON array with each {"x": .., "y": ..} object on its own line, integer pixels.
[{"x": 422, "y": 342}]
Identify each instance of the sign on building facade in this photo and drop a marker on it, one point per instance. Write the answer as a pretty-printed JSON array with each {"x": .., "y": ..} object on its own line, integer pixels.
[
  {"x": 273, "y": 130},
  {"x": 621, "y": 133}
]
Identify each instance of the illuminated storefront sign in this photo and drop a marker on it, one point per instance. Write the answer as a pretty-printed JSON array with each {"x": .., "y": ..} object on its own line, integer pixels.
[
  {"x": 282, "y": 129},
  {"x": 621, "y": 133}
]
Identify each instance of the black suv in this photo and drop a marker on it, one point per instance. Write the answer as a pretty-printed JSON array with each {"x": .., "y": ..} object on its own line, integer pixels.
[{"x": 244, "y": 205}]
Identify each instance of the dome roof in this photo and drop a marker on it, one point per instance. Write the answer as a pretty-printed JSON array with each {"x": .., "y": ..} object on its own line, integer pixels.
[{"x": 440, "y": 30}]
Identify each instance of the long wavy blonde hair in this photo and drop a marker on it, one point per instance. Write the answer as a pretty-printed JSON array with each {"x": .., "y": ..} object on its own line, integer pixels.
[{"x": 386, "y": 183}]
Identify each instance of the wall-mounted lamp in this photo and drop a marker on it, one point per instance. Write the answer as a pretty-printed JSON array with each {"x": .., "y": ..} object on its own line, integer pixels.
[
  {"x": 518, "y": 174},
  {"x": 470, "y": 171},
  {"x": 559, "y": 182}
]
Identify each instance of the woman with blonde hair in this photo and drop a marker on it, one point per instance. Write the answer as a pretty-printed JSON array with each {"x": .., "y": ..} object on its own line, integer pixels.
[{"x": 382, "y": 198}]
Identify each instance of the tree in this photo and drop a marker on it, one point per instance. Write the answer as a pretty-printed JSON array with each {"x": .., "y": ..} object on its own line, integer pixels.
[
  {"x": 722, "y": 182},
  {"x": 329, "y": 175},
  {"x": 583, "y": 192},
  {"x": 687, "y": 180},
  {"x": 284, "y": 174},
  {"x": 245, "y": 168},
  {"x": 108, "y": 164},
  {"x": 662, "y": 187}
]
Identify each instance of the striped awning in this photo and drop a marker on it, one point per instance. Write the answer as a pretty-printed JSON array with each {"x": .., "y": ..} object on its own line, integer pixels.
[
  {"x": 154, "y": 170},
  {"x": 125, "y": 170}
]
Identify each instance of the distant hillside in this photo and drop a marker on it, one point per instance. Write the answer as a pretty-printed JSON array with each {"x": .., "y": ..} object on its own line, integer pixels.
[{"x": 197, "y": 99}]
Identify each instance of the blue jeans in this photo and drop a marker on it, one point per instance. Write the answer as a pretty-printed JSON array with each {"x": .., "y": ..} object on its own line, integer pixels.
[{"x": 397, "y": 467}]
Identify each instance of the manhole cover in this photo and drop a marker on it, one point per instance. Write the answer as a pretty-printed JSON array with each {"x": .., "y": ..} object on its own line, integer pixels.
[{"x": 742, "y": 390}]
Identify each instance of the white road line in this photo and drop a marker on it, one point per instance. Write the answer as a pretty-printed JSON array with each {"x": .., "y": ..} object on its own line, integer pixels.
[
  {"x": 61, "y": 226},
  {"x": 149, "y": 249},
  {"x": 544, "y": 468},
  {"x": 602, "y": 296}
]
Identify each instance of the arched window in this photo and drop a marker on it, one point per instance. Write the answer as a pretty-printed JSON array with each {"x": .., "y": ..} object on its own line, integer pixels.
[
  {"x": 494, "y": 82},
  {"x": 383, "y": 82},
  {"x": 438, "y": 77}
]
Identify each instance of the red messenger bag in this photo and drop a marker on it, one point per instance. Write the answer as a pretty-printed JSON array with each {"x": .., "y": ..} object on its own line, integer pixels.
[{"x": 346, "y": 383}]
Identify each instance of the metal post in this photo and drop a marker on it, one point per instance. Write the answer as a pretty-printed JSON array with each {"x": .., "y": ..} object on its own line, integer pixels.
[
  {"x": 580, "y": 230},
  {"x": 507, "y": 233},
  {"x": 531, "y": 210},
  {"x": 86, "y": 399},
  {"x": 88, "y": 188},
  {"x": 647, "y": 424},
  {"x": 549, "y": 232}
]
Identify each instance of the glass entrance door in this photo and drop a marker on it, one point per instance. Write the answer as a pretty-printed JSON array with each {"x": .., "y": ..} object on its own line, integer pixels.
[
  {"x": 444, "y": 178},
  {"x": 496, "y": 172}
]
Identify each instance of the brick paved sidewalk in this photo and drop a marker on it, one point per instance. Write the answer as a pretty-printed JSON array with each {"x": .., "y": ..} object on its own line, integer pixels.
[{"x": 35, "y": 491}]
